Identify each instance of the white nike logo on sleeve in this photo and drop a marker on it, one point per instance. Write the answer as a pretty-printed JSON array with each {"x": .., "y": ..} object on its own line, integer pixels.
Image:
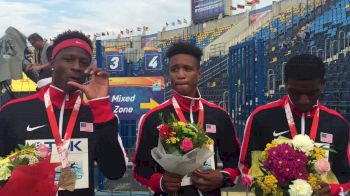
[
  {"x": 280, "y": 133},
  {"x": 34, "y": 128}
]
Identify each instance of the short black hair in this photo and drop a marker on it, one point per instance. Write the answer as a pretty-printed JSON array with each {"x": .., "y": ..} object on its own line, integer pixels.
[
  {"x": 35, "y": 37},
  {"x": 70, "y": 35},
  {"x": 184, "y": 48},
  {"x": 304, "y": 67}
]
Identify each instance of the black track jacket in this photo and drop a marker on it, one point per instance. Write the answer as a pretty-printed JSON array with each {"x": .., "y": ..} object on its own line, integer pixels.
[
  {"x": 149, "y": 173},
  {"x": 25, "y": 120},
  {"x": 269, "y": 121}
]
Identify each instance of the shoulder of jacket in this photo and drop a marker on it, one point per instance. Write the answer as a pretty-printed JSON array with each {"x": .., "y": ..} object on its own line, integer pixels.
[
  {"x": 268, "y": 106},
  {"x": 215, "y": 108},
  {"x": 19, "y": 100},
  {"x": 212, "y": 105},
  {"x": 332, "y": 112},
  {"x": 163, "y": 105}
]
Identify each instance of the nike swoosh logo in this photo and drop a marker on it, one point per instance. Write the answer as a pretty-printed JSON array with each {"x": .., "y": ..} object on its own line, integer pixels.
[
  {"x": 279, "y": 133},
  {"x": 34, "y": 128}
]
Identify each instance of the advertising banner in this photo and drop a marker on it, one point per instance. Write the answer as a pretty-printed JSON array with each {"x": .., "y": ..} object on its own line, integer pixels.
[
  {"x": 203, "y": 10},
  {"x": 147, "y": 38},
  {"x": 256, "y": 14}
]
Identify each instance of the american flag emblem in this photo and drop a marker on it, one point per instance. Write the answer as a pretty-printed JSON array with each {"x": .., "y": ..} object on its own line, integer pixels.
[
  {"x": 209, "y": 128},
  {"x": 326, "y": 137},
  {"x": 86, "y": 127}
]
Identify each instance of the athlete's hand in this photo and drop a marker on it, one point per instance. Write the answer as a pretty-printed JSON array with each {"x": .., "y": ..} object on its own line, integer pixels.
[
  {"x": 207, "y": 180},
  {"x": 325, "y": 189},
  {"x": 171, "y": 182},
  {"x": 98, "y": 85}
]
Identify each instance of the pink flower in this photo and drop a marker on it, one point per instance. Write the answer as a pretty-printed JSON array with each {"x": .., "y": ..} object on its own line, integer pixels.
[
  {"x": 322, "y": 166},
  {"x": 247, "y": 180},
  {"x": 43, "y": 151},
  {"x": 186, "y": 145}
]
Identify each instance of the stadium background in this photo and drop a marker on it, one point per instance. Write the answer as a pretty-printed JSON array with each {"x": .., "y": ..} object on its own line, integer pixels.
[{"x": 243, "y": 62}]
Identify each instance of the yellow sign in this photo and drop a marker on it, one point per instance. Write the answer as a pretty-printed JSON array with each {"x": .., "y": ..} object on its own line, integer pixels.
[
  {"x": 23, "y": 85},
  {"x": 152, "y": 104}
]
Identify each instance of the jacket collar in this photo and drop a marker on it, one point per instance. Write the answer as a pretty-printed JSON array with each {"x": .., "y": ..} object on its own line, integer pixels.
[
  {"x": 296, "y": 112},
  {"x": 185, "y": 101},
  {"x": 57, "y": 96}
]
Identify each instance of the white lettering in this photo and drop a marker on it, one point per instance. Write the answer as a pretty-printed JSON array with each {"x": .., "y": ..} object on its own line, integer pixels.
[
  {"x": 125, "y": 99},
  {"x": 153, "y": 63},
  {"x": 119, "y": 110},
  {"x": 115, "y": 61}
]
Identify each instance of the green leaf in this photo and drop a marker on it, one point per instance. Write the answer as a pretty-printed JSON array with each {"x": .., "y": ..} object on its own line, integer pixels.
[
  {"x": 171, "y": 148},
  {"x": 258, "y": 191},
  {"x": 263, "y": 170}
]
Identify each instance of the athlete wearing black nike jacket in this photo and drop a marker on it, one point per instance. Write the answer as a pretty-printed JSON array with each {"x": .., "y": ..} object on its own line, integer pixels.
[
  {"x": 304, "y": 78},
  {"x": 184, "y": 71},
  {"x": 94, "y": 136}
]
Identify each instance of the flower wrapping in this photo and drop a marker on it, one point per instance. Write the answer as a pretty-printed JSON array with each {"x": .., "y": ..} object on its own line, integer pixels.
[
  {"x": 180, "y": 164},
  {"x": 28, "y": 172},
  {"x": 182, "y": 147}
]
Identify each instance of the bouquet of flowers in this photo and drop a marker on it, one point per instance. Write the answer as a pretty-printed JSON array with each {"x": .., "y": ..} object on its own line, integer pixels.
[
  {"x": 289, "y": 167},
  {"x": 182, "y": 147},
  {"x": 28, "y": 171}
]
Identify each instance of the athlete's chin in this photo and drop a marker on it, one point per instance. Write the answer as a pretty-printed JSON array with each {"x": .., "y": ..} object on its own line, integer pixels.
[
  {"x": 303, "y": 108},
  {"x": 69, "y": 89},
  {"x": 183, "y": 91}
]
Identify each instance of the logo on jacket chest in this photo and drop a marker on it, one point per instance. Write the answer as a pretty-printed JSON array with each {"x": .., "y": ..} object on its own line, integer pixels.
[
  {"x": 279, "y": 133},
  {"x": 31, "y": 128}
]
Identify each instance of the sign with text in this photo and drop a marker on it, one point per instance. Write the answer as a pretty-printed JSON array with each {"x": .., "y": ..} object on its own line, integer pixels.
[
  {"x": 203, "y": 10},
  {"x": 115, "y": 63},
  {"x": 255, "y": 15},
  {"x": 131, "y": 97},
  {"x": 77, "y": 156},
  {"x": 153, "y": 61}
]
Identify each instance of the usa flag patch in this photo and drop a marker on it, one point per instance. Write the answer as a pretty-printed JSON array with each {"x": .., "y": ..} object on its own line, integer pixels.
[
  {"x": 86, "y": 127},
  {"x": 326, "y": 137},
  {"x": 209, "y": 128}
]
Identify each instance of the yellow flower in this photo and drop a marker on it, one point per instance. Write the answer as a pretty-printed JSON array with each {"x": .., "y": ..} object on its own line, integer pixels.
[
  {"x": 271, "y": 183},
  {"x": 179, "y": 124},
  {"x": 268, "y": 146},
  {"x": 27, "y": 151},
  {"x": 209, "y": 141},
  {"x": 5, "y": 172},
  {"x": 5, "y": 160},
  {"x": 320, "y": 153},
  {"x": 313, "y": 181},
  {"x": 264, "y": 187},
  {"x": 173, "y": 140},
  {"x": 182, "y": 124},
  {"x": 263, "y": 155}
]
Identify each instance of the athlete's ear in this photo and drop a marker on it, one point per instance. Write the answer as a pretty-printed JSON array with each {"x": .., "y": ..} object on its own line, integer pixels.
[{"x": 51, "y": 62}]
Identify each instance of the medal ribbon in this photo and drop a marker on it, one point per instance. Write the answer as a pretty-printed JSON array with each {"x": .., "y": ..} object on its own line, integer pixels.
[
  {"x": 62, "y": 146},
  {"x": 291, "y": 122},
  {"x": 181, "y": 116}
]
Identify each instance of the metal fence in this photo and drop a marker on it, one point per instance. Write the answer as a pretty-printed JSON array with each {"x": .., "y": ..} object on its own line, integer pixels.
[{"x": 246, "y": 80}]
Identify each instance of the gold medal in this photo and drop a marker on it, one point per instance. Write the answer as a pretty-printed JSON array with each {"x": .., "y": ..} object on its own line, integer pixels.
[{"x": 67, "y": 179}]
